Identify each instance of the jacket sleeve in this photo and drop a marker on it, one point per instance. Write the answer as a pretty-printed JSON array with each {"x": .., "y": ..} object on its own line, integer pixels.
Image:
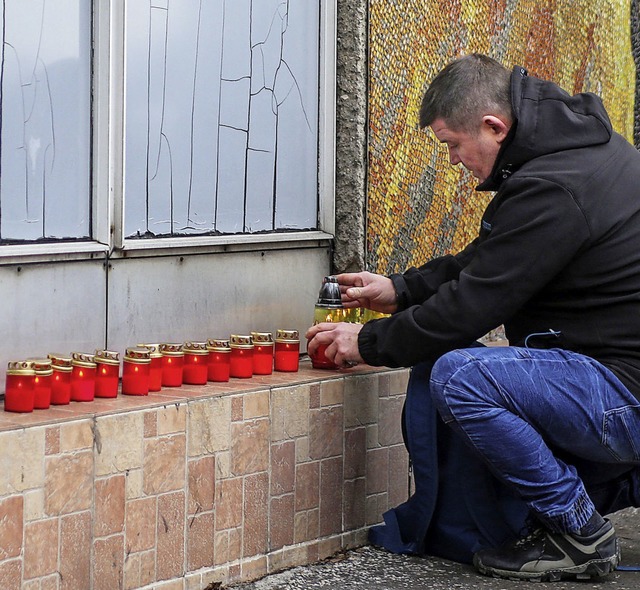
[{"x": 536, "y": 228}]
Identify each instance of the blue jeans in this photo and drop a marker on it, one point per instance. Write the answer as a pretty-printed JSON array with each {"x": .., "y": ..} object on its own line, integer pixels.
[{"x": 522, "y": 410}]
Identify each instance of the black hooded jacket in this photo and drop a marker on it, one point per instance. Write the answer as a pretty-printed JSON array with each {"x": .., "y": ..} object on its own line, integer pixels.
[{"x": 558, "y": 248}]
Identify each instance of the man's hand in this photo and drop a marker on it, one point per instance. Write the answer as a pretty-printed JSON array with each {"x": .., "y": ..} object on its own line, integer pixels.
[
  {"x": 365, "y": 289},
  {"x": 341, "y": 340}
]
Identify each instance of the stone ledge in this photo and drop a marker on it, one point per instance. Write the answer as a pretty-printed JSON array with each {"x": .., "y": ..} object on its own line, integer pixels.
[{"x": 199, "y": 484}]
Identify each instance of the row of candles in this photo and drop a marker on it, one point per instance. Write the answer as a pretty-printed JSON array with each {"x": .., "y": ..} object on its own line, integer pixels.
[{"x": 59, "y": 379}]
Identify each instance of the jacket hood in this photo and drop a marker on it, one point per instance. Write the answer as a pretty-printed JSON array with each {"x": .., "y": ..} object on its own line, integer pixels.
[{"x": 547, "y": 120}]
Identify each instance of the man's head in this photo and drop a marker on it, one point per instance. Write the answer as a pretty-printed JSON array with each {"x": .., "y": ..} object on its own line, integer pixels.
[{"x": 468, "y": 107}]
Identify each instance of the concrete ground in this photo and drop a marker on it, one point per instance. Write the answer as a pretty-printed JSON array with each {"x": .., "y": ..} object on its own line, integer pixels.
[{"x": 371, "y": 569}]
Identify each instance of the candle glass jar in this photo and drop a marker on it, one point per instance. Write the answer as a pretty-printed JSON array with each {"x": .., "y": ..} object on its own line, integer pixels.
[
  {"x": 107, "y": 373},
  {"x": 328, "y": 308},
  {"x": 218, "y": 361},
  {"x": 172, "y": 364},
  {"x": 241, "y": 357},
  {"x": 155, "y": 367},
  {"x": 136, "y": 367},
  {"x": 19, "y": 387},
  {"x": 42, "y": 383},
  {"x": 61, "y": 379},
  {"x": 196, "y": 358},
  {"x": 287, "y": 351},
  {"x": 262, "y": 353},
  {"x": 83, "y": 377}
]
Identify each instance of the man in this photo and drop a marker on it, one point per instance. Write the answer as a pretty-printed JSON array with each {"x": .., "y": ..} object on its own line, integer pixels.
[{"x": 554, "y": 418}]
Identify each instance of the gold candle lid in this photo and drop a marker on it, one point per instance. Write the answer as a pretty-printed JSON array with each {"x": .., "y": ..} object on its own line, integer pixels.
[
  {"x": 218, "y": 345},
  {"x": 21, "y": 368},
  {"x": 42, "y": 366},
  {"x": 240, "y": 341},
  {"x": 262, "y": 338},
  {"x": 287, "y": 336},
  {"x": 107, "y": 357},
  {"x": 82, "y": 359},
  {"x": 195, "y": 348},
  {"x": 60, "y": 361},
  {"x": 171, "y": 349},
  {"x": 138, "y": 354},
  {"x": 154, "y": 349}
]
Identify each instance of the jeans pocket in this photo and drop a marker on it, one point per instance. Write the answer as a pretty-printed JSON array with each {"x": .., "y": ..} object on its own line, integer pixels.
[{"x": 621, "y": 434}]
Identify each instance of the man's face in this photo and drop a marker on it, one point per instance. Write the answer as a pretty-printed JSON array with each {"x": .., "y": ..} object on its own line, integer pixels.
[{"x": 477, "y": 153}]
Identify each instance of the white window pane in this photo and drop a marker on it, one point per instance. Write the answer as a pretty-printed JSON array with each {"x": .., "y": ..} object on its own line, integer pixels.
[
  {"x": 45, "y": 119},
  {"x": 221, "y": 116}
]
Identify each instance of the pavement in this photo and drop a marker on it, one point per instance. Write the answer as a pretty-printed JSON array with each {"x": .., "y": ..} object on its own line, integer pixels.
[{"x": 368, "y": 568}]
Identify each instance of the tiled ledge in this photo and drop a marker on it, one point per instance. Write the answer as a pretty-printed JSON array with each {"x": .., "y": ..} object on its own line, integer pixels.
[{"x": 196, "y": 485}]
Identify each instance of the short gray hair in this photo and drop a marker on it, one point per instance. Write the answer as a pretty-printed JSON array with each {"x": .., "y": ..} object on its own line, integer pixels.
[{"x": 464, "y": 91}]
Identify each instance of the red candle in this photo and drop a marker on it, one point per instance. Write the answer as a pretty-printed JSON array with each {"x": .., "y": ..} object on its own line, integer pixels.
[
  {"x": 107, "y": 373},
  {"x": 241, "y": 357},
  {"x": 20, "y": 387},
  {"x": 61, "y": 379},
  {"x": 262, "y": 353},
  {"x": 287, "y": 355},
  {"x": 320, "y": 361},
  {"x": 172, "y": 364},
  {"x": 195, "y": 363},
  {"x": 155, "y": 367},
  {"x": 83, "y": 377},
  {"x": 136, "y": 371},
  {"x": 42, "y": 383},
  {"x": 219, "y": 360}
]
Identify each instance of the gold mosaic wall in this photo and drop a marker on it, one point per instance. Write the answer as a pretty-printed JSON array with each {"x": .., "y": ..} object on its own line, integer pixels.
[{"x": 419, "y": 206}]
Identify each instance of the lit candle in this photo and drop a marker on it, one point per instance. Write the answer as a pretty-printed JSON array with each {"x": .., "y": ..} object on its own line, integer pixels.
[
  {"x": 172, "y": 364},
  {"x": 218, "y": 362},
  {"x": 262, "y": 353},
  {"x": 155, "y": 368},
  {"x": 107, "y": 373},
  {"x": 83, "y": 377},
  {"x": 42, "y": 383},
  {"x": 20, "y": 387},
  {"x": 287, "y": 355},
  {"x": 195, "y": 363},
  {"x": 136, "y": 368},
  {"x": 241, "y": 357},
  {"x": 61, "y": 379}
]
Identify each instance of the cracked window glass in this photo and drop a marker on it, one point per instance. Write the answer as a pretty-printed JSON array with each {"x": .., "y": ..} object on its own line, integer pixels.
[
  {"x": 221, "y": 116},
  {"x": 45, "y": 116}
]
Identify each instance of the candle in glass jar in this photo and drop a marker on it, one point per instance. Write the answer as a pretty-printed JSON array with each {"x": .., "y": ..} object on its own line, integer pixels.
[
  {"x": 218, "y": 361},
  {"x": 42, "y": 383},
  {"x": 287, "y": 354},
  {"x": 107, "y": 373},
  {"x": 83, "y": 377},
  {"x": 172, "y": 364},
  {"x": 241, "y": 357},
  {"x": 61, "y": 379},
  {"x": 262, "y": 353},
  {"x": 196, "y": 358},
  {"x": 155, "y": 367},
  {"x": 19, "y": 387},
  {"x": 136, "y": 368}
]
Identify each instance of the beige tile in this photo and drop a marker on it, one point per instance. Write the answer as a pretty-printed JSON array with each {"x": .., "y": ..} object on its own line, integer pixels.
[
  {"x": 21, "y": 460},
  {"x": 289, "y": 412},
  {"x": 69, "y": 483},
  {"x": 140, "y": 524},
  {"x": 201, "y": 484},
  {"x": 209, "y": 424},
  {"x": 389, "y": 425},
  {"x": 164, "y": 464},
  {"x": 76, "y": 435},
  {"x": 109, "y": 505},
  {"x": 52, "y": 440},
  {"x": 361, "y": 400},
  {"x": 256, "y": 405},
  {"x": 40, "y": 548},
  {"x": 326, "y": 432},
  {"x": 332, "y": 392},
  {"x": 34, "y": 504},
  {"x": 133, "y": 484},
  {"x": 119, "y": 443},
  {"x": 253, "y": 569},
  {"x": 249, "y": 446},
  {"x": 172, "y": 419}
]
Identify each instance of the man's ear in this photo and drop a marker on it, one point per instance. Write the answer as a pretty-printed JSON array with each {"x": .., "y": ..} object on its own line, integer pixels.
[{"x": 499, "y": 126}]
